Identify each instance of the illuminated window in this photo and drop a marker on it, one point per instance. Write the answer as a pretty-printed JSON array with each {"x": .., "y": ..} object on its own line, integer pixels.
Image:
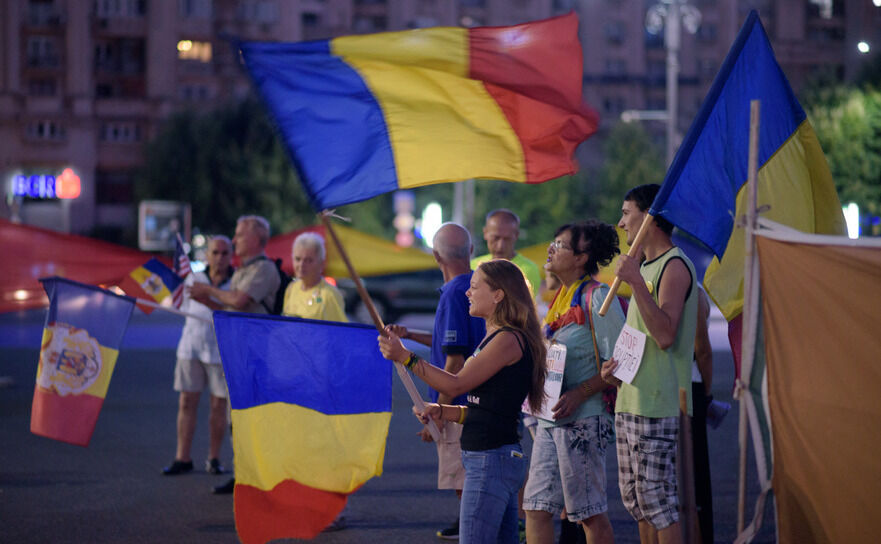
[{"x": 193, "y": 50}]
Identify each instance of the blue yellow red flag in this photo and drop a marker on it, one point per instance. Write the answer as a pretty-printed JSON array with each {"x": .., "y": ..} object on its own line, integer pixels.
[
  {"x": 152, "y": 281},
  {"x": 364, "y": 115},
  {"x": 705, "y": 188},
  {"x": 81, "y": 338},
  {"x": 311, "y": 405}
]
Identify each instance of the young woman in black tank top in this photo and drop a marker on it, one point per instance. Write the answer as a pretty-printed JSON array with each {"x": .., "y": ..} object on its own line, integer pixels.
[{"x": 508, "y": 367}]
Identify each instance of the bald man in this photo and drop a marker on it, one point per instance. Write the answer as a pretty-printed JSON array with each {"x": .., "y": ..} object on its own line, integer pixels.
[
  {"x": 501, "y": 231},
  {"x": 455, "y": 337}
]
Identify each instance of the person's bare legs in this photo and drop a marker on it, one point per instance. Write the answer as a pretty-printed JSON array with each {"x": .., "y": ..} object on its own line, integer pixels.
[
  {"x": 186, "y": 424},
  {"x": 539, "y": 527},
  {"x": 598, "y": 529},
  {"x": 217, "y": 426},
  {"x": 670, "y": 535}
]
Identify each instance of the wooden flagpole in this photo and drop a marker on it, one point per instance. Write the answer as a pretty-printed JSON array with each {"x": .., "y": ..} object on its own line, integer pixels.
[
  {"x": 750, "y": 304},
  {"x": 380, "y": 326},
  {"x": 634, "y": 251}
]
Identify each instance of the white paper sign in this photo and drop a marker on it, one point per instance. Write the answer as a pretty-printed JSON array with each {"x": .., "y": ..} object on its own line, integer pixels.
[
  {"x": 556, "y": 361},
  {"x": 628, "y": 352}
]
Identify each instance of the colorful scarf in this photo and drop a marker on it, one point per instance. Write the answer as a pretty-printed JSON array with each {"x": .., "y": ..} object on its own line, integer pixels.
[{"x": 566, "y": 308}]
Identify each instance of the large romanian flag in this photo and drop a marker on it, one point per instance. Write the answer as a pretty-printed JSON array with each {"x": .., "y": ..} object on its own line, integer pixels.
[
  {"x": 311, "y": 405},
  {"x": 151, "y": 281},
  {"x": 706, "y": 188},
  {"x": 81, "y": 338},
  {"x": 364, "y": 115}
]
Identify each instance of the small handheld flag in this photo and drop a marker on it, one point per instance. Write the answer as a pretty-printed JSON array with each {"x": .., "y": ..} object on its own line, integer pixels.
[
  {"x": 81, "y": 338},
  {"x": 152, "y": 281}
]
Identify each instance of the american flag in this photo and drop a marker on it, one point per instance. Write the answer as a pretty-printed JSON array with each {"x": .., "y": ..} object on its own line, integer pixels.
[{"x": 182, "y": 269}]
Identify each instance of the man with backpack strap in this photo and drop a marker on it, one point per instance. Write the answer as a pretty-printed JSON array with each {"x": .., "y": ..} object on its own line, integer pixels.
[{"x": 253, "y": 285}]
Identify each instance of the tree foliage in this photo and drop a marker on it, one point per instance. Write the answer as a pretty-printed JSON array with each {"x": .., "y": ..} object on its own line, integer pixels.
[
  {"x": 848, "y": 125},
  {"x": 226, "y": 163}
]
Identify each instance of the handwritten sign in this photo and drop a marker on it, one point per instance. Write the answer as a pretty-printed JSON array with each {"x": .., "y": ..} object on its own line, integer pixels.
[
  {"x": 556, "y": 361},
  {"x": 628, "y": 352}
]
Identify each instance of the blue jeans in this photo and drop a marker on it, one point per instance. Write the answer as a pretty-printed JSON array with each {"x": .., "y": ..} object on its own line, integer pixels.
[{"x": 488, "y": 512}]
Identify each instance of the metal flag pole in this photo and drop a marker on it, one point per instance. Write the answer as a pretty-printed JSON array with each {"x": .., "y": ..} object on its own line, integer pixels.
[{"x": 377, "y": 321}]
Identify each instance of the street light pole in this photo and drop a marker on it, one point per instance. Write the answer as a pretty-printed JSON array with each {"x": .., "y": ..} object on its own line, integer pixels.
[
  {"x": 671, "y": 16},
  {"x": 671, "y": 42}
]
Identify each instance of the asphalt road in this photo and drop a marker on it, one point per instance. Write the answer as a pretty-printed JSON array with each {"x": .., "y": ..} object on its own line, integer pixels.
[{"x": 112, "y": 491}]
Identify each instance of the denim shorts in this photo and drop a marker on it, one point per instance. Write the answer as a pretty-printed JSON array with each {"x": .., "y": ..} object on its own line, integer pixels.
[
  {"x": 647, "y": 467},
  {"x": 488, "y": 510},
  {"x": 568, "y": 469}
]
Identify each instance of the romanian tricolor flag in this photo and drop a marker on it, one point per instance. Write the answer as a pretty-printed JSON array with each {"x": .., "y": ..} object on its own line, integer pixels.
[
  {"x": 151, "y": 281},
  {"x": 705, "y": 188},
  {"x": 311, "y": 405},
  {"x": 81, "y": 339},
  {"x": 364, "y": 115}
]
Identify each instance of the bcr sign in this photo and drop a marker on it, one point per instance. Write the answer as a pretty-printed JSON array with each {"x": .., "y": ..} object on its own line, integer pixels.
[{"x": 65, "y": 186}]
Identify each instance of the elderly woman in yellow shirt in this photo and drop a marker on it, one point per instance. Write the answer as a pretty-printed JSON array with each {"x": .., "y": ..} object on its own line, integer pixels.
[{"x": 309, "y": 295}]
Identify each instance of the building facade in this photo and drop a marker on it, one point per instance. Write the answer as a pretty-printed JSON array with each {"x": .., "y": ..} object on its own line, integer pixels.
[{"x": 84, "y": 84}]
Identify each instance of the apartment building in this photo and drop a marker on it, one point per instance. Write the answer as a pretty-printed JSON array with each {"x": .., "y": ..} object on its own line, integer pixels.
[{"x": 85, "y": 83}]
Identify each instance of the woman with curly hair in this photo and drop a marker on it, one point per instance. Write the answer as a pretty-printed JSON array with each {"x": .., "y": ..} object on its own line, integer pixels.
[
  {"x": 507, "y": 367},
  {"x": 568, "y": 470}
]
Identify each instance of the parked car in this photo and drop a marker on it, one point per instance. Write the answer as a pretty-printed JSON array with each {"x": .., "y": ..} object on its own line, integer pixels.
[{"x": 394, "y": 295}]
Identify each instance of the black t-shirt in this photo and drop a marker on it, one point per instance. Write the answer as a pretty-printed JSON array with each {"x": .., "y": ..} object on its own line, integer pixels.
[{"x": 494, "y": 406}]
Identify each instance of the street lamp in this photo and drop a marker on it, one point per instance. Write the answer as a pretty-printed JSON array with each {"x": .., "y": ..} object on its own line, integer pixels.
[
  {"x": 671, "y": 16},
  {"x": 863, "y": 47}
]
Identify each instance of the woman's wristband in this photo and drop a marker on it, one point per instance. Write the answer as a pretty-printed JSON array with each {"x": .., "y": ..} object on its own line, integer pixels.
[{"x": 461, "y": 419}]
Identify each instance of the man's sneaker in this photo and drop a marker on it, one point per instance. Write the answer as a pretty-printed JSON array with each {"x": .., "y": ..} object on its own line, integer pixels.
[
  {"x": 213, "y": 466},
  {"x": 178, "y": 467},
  {"x": 521, "y": 530},
  {"x": 450, "y": 533},
  {"x": 226, "y": 488}
]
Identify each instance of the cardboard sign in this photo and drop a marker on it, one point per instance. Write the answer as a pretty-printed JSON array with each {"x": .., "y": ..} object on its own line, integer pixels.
[
  {"x": 628, "y": 352},
  {"x": 556, "y": 361}
]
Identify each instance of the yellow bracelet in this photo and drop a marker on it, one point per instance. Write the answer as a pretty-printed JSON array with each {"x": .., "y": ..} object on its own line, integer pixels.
[
  {"x": 411, "y": 361},
  {"x": 461, "y": 415}
]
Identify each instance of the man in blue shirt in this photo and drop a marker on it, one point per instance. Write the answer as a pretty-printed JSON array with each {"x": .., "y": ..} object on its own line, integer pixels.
[{"x": 455, "y": 337}]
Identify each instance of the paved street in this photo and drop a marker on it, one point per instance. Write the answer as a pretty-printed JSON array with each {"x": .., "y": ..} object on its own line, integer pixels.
[{"x": 112, "y": 491}]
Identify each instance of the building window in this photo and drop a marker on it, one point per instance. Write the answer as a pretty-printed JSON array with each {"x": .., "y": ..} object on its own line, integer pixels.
[
  {"x": 707, "y": 33},
  {"x": 43, "y": 13},
  {"x": 707, "y": 68},
  {"x": 196, "y": 9},
  {"x": 613, "y": 105},
  {"x": 258, "y": 11},
  {"x": 194, "y": 50},
  {"x": 309, "y": 20},
  {"x": 121, "y": 132},
  {"x": 120, "y": 8},
  {"x": 124, "y": 56},
  {"x": 113, "y": 187},
  {"x": 614, "y": 32},
  {"x": 42, "y": 52},
  {"x": 616, "y": 67},
  {"x": 45, "y": 130},
  {"x": 374, "y": 23},
  {"x": 194, "y": 93},
  {"x": 42, "y": 87}
]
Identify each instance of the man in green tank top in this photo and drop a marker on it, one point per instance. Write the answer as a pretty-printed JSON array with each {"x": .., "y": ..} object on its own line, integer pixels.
[{"x": 664, "y": 307}]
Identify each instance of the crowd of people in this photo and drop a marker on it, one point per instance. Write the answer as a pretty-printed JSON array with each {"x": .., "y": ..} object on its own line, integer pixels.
[{"x": 488, "y": 367}]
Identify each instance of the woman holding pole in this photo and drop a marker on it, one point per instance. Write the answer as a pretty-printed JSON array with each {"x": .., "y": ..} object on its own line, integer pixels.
[{"x": 508, "y": 366}]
